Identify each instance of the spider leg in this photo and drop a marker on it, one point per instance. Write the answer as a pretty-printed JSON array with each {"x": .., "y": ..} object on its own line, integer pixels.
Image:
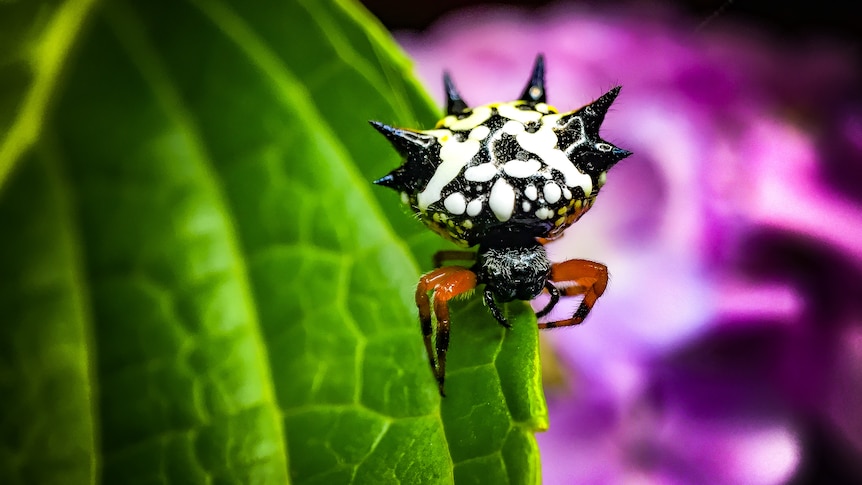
[
  {"x": 589, "y": 279},
  {"x": 495, "y": 310},
  {"x": 453, "y": 255},
  {"x": 555, "y": 298},
  {"x": 446, "y": 283}
]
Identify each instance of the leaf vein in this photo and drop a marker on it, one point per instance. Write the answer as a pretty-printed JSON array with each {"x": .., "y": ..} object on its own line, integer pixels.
[{"x": 146, "y": 59}]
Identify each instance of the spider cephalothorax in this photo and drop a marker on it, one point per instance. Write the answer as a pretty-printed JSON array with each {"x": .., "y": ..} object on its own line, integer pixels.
[{"x": 505, "y": 177}]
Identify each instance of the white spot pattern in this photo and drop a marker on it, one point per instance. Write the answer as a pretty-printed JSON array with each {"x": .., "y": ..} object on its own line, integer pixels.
[
  {"x": 480, "y": 133},
  {"x": 502, "y": 200},
  {"x": 455, "y": 203},
  {"x": 552, "y": 192},
  {"x": 510, "y": 111},
  {"x": 512, "y": 127},
  {"x": 481, "y": 173},
  {"x": 544, "y": 213},
  {"x": 522, "y": 169},
  {"x": 474, "y": 207}
]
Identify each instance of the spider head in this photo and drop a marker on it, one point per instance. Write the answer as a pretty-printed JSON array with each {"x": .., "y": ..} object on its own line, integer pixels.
[{"x": 513, "y": 270}]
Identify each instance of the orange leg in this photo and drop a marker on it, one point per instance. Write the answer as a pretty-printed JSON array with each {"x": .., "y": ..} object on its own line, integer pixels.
[
  {"x": 589, "y": 279},
  {"x": 446, "y": 283}
]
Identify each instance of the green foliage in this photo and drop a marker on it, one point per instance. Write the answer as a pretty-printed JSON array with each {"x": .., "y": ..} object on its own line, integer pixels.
[{"x": 197, "y": 280}]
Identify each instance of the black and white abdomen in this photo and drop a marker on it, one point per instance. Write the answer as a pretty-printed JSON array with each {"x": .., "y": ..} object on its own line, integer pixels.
[
  {"x": 504, "y": 168},
  {"x": 518, "y": 167}
]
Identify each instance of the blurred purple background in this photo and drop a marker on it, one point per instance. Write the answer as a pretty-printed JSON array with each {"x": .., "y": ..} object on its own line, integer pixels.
[{"x": 728, "y": 347}]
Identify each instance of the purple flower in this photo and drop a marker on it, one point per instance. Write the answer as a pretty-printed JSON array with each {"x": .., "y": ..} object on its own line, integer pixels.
[{"x": 733, "y": 237}]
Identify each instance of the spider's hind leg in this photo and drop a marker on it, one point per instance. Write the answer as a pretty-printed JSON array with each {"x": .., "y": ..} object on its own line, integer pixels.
[
  {"x": 445, "y": 283},
  {"x": 587, "y": 278}
]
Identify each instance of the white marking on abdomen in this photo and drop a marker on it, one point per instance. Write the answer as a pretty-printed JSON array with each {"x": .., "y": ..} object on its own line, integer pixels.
[
  {"x": 544, "y": 213},
  {"x": 474, "y": 207},
  {"x": 479, "y": 133},
  {"x": 552, "y": 192},
  {"x": 521, "y": 169},
  {"x": 454, "y": 156},
  {"x": 479, "y": 115},
  {"x": 542, "y": 143},
  {"x": 481, "y": 173},
  {"x": 508, "y": 110},
  {"x": 512, "y": 127},
  {"x": 531, "y": 192},
  {"x": 455, "y": 203},
  {"x": 502, "y": 200}
]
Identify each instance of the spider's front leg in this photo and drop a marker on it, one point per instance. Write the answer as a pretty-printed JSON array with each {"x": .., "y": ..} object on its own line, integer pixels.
[
  {"x": 585, "y": 278},
  {"x": 445, "y": 283}
]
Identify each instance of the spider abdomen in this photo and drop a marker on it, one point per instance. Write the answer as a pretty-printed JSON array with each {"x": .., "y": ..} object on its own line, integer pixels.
[{"x": 515, "y": 167}]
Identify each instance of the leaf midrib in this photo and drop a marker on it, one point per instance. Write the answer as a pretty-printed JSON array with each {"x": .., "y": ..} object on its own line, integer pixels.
[{"x": 69, "y": 238}]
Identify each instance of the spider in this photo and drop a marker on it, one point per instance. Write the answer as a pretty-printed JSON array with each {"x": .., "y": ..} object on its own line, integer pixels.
[{"x": 507, "y": 177}]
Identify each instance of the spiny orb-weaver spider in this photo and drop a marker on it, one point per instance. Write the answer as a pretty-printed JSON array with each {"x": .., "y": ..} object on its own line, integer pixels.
[{"x": 507, "y": 177}]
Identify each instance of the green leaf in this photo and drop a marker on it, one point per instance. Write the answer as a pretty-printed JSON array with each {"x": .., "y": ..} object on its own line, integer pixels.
[
  {"x": 198, "y": 281},
  {"x": 35, "y": 39},
  {"x": 47, "y": 412}
]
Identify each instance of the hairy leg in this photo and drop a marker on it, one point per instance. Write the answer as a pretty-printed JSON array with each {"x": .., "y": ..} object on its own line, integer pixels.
[
  {"x": 587, "y": 278},
  {"x": 445, "y": 283}
]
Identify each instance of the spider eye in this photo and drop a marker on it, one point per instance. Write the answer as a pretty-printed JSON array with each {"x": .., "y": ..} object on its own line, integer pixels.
[{"x": 604, "y": 147}]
